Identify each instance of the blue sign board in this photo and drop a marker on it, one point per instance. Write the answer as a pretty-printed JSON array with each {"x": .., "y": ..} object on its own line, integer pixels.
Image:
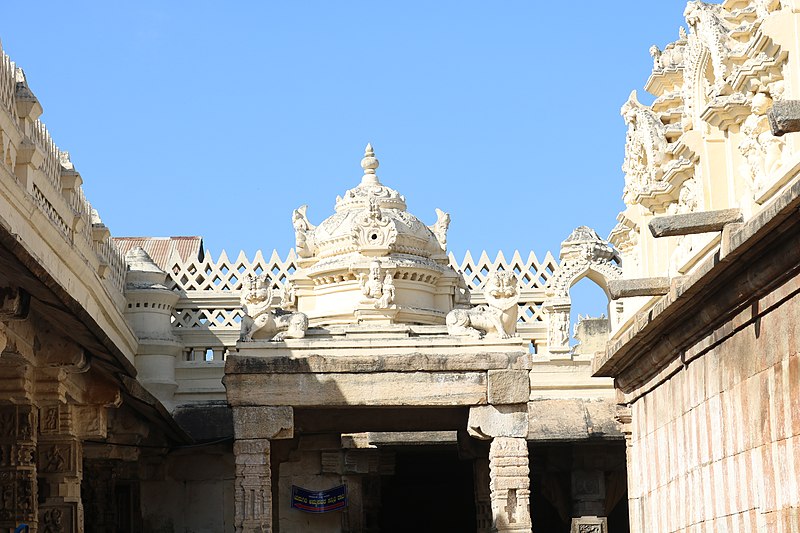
[{"x": 319, "y": 501}]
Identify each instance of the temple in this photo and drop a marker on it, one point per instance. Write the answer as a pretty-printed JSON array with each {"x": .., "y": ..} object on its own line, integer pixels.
[{"x": 370, "y": 381}]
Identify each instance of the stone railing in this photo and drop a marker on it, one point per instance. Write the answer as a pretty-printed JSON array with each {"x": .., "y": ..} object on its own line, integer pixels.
[
  {"x": 8, "y": 83},
  {"x": 208, "y": 314},
  {"x": 26, "y": 141}
]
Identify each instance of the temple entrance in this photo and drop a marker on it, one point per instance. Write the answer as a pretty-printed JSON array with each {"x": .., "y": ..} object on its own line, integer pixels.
[{"x": 432, "y": 490}]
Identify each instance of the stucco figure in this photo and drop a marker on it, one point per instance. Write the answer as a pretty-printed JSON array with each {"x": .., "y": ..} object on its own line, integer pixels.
[
  {"x": 497, "y": 318},
  {"x": 260, "y": 321},
  {"x": 762, "y": 150}
]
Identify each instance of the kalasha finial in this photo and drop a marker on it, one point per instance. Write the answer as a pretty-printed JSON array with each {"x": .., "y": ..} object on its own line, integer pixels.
[{"x": 369, "y": 164}]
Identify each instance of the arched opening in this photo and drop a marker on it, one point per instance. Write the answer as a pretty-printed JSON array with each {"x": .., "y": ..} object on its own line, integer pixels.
[{"x": 588, "y": 313}]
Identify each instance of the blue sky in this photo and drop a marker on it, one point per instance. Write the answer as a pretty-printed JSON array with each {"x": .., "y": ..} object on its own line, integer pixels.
[{"x": 212, "y": 119}]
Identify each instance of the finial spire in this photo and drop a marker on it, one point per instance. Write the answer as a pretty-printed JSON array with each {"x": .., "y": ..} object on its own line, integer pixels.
[{"x": 369, "y": 164}]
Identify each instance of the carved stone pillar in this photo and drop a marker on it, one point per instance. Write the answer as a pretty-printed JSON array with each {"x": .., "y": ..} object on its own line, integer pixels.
[
  {"x": 253, "y": 494},
  {"x": 18, "y": 488},
  {"x": 253, "y": 427},
  {"x": 60, "y": 462},
  {"x": 483, "y": 499},
  {"x": 509, "y": 485}
]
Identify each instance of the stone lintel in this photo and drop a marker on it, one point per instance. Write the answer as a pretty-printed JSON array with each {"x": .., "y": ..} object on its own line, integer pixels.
[
  {"x": 689, "y": 223},
  {"x": 263, "y": 422},
  {"x": 489, "y": 421},
  {"x": 357, "y": 389},
  {"x": 257, "y": 361},
  {"x": 628, "y": 288},
  {"x": 508, "y": 386},
  {"x": 784, "y": 117}
]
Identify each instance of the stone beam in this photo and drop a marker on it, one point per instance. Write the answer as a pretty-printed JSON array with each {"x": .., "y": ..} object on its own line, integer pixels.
[
  {"x": 784, "y": 117},
  {"x": 627, "y": 288},
  {"x": 688, "y": 223}
]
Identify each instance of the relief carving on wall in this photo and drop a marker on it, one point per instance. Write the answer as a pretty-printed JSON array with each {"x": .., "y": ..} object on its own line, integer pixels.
[
  {"x": 377, "y": 286},
  {"x": 762, "y": 151}
]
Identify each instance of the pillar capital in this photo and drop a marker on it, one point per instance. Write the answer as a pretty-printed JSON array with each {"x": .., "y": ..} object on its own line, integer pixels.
[
  {"x": 250, "y": 422},
  {"x": 487, "y": 421}
]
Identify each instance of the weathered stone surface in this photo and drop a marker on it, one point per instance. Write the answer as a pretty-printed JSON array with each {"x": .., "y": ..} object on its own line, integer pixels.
[
  {"x": 784, "y": 117},
  {"x": 386, "y": 389},
  {"x": 205, "y": 420},
  {"x": 263, "y": 422},
  {"x": 376, "y": 355},
  {"x": 508, "y": 386},
  {"x": 487, "y": 421},
  {"x": 689, "y": 223},
  {"x": 627, "y": 288},
  {"x": 572, "y": 419}
]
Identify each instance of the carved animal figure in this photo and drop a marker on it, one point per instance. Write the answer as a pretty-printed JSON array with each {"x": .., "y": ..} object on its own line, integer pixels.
[
  {"x": 496, "y": 318},
  {"x": 260, "y": 321}
]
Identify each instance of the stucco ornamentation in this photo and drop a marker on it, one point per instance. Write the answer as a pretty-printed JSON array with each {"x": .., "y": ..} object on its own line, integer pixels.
[
  {"x": 260, "y": 321},
  {"x": 761, "y": 150},
  {"x": 377, "y": 286},
  {"x": 497, "y": 318},
  {"x": 439, "y": 228},
  {"x": 645, "y": 147},
  {"x": 303, "y": 232},
  {"x": 708, "y": 28}
]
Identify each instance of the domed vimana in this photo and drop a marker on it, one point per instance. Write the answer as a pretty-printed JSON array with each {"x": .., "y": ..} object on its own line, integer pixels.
[{"x": 372, "y": 261}]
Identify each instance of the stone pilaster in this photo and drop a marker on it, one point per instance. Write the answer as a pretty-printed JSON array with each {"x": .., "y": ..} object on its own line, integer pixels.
[
  {"x": 509, "y": 485},
  {"x": 253, "y": 493},
  {"x": 253, "y": 427},
  {"x": 18, "y": 488},
  {"x": 60, "y": 464},
  {"x": 483, "y": 499}
]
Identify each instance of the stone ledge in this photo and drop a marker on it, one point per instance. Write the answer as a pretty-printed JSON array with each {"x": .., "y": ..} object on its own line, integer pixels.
[
  {"x": 628, "y": 288},
  {"x": 690, "y": 223},
  {"x": 784, "y": 117}
]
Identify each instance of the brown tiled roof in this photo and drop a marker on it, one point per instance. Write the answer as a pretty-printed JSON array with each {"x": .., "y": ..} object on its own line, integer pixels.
[{"x": 161, "y": 249}]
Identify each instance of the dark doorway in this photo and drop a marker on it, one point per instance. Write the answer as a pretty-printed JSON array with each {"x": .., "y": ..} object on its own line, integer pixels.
[{"x": 431, "y": 492}]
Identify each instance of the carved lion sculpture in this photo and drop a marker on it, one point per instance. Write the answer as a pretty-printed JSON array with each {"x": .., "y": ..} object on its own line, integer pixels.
[
  {"x": 260, "y": 321},
  {"x": 496, "y": 318}
]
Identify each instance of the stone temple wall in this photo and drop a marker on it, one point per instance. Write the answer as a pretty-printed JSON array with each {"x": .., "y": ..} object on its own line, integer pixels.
[{"x": 716, "y": 447}]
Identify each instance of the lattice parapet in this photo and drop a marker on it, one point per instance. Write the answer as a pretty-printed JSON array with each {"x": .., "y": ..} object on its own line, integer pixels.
[
  {"x": 532, "y": 273},
  {"x": 224, "y": 275}
]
